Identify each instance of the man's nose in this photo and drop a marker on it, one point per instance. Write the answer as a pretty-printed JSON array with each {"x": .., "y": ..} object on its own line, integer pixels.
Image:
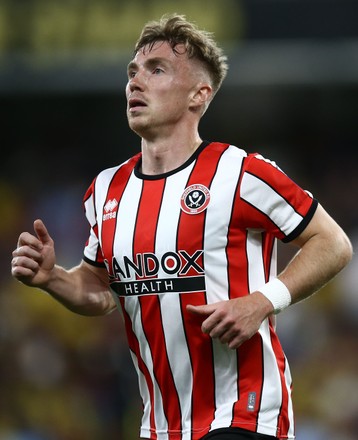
[{"x": 136, "y": 83}]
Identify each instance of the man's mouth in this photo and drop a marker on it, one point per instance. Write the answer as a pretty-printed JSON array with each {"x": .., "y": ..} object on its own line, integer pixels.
[{"x": 135, "y": 103}]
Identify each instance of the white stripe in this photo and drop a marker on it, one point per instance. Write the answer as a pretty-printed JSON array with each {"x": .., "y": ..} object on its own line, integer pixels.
[
  {"x": 255, "y": 261},
  {"x": 90, "y": 251},
  {"x": 101, "y": 186},
  {"x": 90, "y": 211},
  {"x": 123, "y": 245},
  {"x": 131, "y": 306},
  {"x": 271, "y": 391},
  {"x": 91, "y": 247},
  {"x": 219, "y": 211},
  {"x": 273, "y": 274},
  {"x": 217, "y": 220},
  {"x": 175, "y": 339},
  {"x": 264, "y": 198},
  {"x": 169, "y": 212},
  {"x": 126, "y": 219},
  {"x": 288, "y": 378},
  {"x": 144, "y": 392}
]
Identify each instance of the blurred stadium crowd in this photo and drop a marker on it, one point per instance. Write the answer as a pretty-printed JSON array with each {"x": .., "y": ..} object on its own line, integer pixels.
[{"x": 292, "y": 94}]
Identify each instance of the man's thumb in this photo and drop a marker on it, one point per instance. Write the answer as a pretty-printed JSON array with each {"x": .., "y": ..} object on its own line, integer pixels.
[{"x": 41, "y": 231}]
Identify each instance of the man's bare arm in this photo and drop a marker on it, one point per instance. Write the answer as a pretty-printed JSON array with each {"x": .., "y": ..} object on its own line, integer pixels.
[
  {"x": 324, "y": 251},
  {"x": 83, "y": 289}
]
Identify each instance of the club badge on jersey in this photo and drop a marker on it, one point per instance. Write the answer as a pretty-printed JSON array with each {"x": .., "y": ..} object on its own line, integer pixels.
[{"x": 195, "y": 199}]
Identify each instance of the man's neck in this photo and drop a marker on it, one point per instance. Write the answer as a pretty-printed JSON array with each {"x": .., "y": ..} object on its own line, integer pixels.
[{"x": 165, "y": 156}]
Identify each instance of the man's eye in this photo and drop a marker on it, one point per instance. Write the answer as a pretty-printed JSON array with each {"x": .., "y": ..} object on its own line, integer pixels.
[
  {"x": 157, "y": 70},
  {"x": 131, "y": 74}
]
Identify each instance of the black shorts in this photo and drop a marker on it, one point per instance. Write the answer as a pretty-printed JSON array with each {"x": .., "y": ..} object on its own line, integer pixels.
[{"x": 236, "y": 434}]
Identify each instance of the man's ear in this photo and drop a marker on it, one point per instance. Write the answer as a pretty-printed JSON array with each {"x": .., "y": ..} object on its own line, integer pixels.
[{"x": 202, "y": 97}]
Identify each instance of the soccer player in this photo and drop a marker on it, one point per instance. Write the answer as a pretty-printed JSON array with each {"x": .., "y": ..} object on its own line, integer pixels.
[{"x": 183, "y": 241}]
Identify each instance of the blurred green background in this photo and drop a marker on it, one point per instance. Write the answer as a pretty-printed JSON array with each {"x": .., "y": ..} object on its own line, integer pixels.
[{"x": 291, "y": 94}]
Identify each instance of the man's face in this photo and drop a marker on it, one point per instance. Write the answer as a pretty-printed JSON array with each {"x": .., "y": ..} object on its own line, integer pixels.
[{"x": 160, "y": 84}]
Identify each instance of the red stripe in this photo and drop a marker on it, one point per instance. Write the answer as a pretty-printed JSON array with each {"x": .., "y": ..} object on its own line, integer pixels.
[
  {"x": 92, "y": 193},
  {"x": 250, "y": 380},
  {"x": 236, "y": 253},
  {"x": 268, "y": 243},
  {"x": 250, "y": 374},
  {"x": 281, "y": 183},
  {"x": 283, "y": 420},
  {"x": 151, "y": 317},
  {"x": 191, "y": 238},
  {"x": 144, "y": 241},
  {"x": 115, "y": 191},
  {"x": 134, "y": 347},
  {"x": 296, "y": 197},
  {"x": 99, "y": 255}
]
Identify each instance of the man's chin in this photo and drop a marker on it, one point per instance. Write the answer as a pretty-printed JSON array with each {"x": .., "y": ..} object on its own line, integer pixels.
[{"x": 139, "y": 127}]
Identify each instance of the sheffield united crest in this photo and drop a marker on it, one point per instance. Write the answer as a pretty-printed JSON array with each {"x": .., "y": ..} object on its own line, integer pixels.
[{"x": 195, "y": 199}]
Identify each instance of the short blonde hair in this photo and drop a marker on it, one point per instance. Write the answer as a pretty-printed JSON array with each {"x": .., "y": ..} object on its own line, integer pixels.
[{"x": 199, "y": 44}]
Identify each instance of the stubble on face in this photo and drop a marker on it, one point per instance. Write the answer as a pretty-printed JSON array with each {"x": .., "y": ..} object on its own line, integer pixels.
[{"x": 157, "y": 100}]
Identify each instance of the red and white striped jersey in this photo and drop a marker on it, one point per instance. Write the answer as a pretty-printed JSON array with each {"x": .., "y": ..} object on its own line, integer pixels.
[{"x": 202, "y": 233}]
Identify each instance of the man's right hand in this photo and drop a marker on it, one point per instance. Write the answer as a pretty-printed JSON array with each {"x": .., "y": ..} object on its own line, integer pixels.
[{"x": 34, "y": 257}]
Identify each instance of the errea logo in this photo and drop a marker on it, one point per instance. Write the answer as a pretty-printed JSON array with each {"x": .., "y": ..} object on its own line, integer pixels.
[{"x": 109, "y": 209}]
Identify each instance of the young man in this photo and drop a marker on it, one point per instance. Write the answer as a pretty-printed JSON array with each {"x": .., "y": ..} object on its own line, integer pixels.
[{"x": 182, "y": 241}]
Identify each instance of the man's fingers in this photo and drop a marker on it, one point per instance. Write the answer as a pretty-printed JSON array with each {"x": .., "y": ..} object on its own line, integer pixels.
[
  {"x": 41, "y": 232},
  {"x": 207, "y": 311},
  {"x": 204, "y": 310},
  {"x": 24, "y": 265},
  {"x": 27, "y": 240},
  {"x": 28, "y": 250},
  {"x": 28, "y": 243},
  {"x": 226, "y": 322}
]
